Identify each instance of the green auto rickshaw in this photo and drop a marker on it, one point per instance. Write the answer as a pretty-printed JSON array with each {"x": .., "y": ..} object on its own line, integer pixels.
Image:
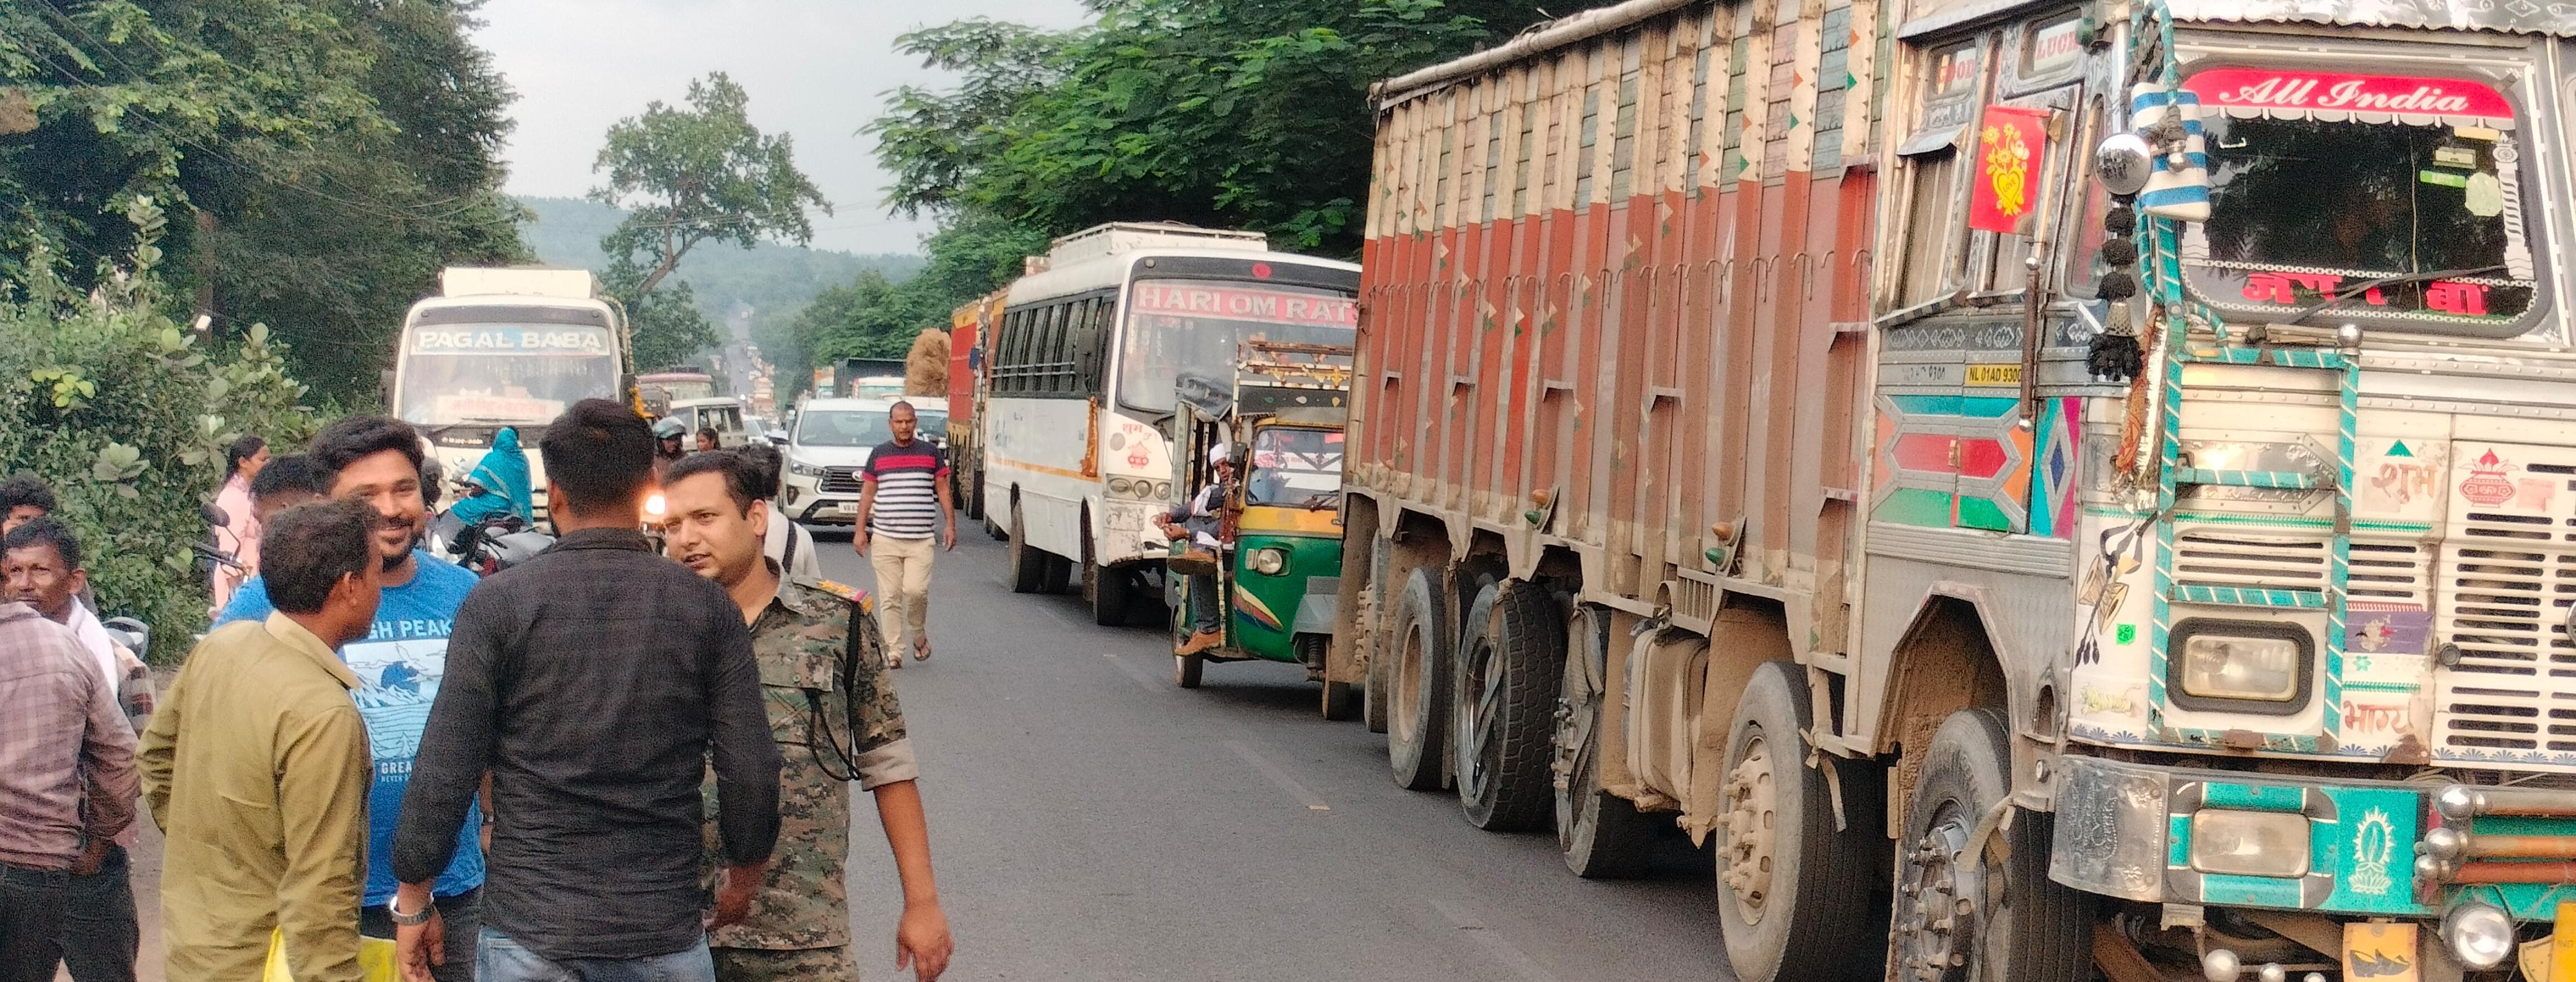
[{"x": 1278, "y": 570}]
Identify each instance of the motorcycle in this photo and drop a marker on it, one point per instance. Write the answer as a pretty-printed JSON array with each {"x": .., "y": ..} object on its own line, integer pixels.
[{"x": 490, "y": 546}]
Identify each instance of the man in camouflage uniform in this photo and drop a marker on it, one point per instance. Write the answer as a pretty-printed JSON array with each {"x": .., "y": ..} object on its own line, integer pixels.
[{"x": 798, "y": 925}]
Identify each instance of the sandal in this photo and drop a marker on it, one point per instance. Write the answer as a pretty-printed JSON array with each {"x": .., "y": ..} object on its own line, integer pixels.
[{"x": 921, "y": 650}]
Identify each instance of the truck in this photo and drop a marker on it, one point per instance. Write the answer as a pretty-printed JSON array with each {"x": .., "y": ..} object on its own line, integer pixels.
[
  {"x": 506, "y": 346},
  {"x": 2038, "y": 488},
  {"x": 970, "y": 325}
]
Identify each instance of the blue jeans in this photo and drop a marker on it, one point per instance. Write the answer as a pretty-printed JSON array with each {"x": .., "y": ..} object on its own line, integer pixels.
[{"x": 499, "y": 959}]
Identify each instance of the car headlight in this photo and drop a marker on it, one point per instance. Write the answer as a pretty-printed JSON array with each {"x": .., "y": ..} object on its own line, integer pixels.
[
  {"x": 2480, "y": 934},
  {"x": 1268, "y": 562},
  {"x": 2247, "y": 843},
  {"x": 2252, "y": 662},
  {"x": 802, "y": 469}
]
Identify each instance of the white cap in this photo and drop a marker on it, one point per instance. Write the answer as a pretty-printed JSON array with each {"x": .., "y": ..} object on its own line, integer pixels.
[{"x": 1218, "y": 454}]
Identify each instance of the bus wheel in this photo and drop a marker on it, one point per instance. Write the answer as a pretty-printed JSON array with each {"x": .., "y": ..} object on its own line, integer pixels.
[
  {"x": 1980, "y": 914},
  {"x": 1419, "y": 673},
  {"x": 1028, "y": 565},
  {"x": 1789, "y": 885},
  {"x": 1502, "y": 706},
  {"x": 1111, "y": 591},
  {"x": 1601, "y": 835},
  {"x": 1058, "y": 574},
  {"x": 1186, "y": 669}
]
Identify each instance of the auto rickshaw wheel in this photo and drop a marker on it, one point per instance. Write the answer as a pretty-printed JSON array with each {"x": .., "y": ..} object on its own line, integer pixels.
[{"x": 1186, "y": 670}]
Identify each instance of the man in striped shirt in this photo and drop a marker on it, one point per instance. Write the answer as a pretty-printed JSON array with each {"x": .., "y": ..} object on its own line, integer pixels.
[{"x": 903, "y": 506}]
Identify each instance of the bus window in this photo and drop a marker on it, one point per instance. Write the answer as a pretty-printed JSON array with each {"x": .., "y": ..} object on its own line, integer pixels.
[{"x": 1176, "y": 327}]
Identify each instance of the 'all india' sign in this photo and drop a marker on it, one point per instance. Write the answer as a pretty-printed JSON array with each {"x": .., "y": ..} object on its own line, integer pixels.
[{"x": 2336, "y": 96}]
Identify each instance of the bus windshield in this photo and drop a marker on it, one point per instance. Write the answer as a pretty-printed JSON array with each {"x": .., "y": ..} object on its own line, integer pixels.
[
  {"x": 1176, "y": 327},
  {"x": 502, "y": 373},
  {"x": 1295, "y": 466}
]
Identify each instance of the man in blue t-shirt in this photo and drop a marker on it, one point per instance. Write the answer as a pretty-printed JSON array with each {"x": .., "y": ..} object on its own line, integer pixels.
[{"x": 399, "y": 663}]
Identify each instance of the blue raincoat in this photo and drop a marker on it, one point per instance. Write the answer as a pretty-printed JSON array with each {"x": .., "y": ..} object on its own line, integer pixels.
[{"x": 503, "y": 473}]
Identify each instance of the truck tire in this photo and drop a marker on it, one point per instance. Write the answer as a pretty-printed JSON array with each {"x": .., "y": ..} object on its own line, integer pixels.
[
  {"x": 1601, "y": 835},
  {"x": 1058, "y": 573},
  {"x": 1028, "y": 565},
  {"x": 1503, "y": 706},
  {"x": 1788, "y": 884},
  {"x": 1340, "y": 701},
  {"x": 1375, "y": 690},
  {"x": 1418, "y": 691},
  {"x": 2005, "y": 918}
]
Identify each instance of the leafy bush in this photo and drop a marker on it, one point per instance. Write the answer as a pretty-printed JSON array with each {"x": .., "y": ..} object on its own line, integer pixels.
[{"x": 126, "y": 414}]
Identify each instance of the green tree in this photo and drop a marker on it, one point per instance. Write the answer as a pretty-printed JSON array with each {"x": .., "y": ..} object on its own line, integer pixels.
[
  {"x": 1222, "y": 113},
  {"x": 692, "y": 175},
  {"x": 104, "y": 395},
  {"x": 324, "y": 157}
]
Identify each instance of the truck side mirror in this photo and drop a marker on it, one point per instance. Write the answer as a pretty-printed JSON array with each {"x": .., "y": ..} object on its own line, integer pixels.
[{"x": 2123, "y": 162}]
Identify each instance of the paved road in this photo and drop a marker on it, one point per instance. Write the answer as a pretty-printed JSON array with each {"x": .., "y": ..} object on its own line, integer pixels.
[{"x": 1091, "y": 821}]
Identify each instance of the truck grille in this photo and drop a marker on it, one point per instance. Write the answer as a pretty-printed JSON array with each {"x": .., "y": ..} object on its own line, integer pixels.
[
  {"x": 839, "y": 480},
  {"x": 2222, "y": 557},
  {"x": 2506, "y": 577}
]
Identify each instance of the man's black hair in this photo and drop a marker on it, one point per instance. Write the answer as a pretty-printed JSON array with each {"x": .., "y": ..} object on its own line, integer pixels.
[
  {"x": 46, "y": 532},
  {"x": 294, "y": 473},
  {"x": 26, "y": 489},
  {"x": 355, "y": 438},
  {"x": 305, "y": 550},
  {"x": 739, "y": 474},
  {"x": 762, "y": 462},
  {"x": 598, "y": 453}
]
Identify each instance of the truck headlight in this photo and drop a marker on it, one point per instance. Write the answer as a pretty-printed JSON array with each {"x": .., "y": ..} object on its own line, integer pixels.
[
  {"x": 2249, "y": 843},
  {"x": 2241, "y": 661},
  {"x": 1268, "y": 562},
  {"x": 2480, "y": 934},
  {"x": 802, "y": 469}
]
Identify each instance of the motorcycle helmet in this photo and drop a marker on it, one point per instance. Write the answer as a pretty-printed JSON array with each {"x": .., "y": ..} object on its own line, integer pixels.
[{"x": 668, "y": 427}]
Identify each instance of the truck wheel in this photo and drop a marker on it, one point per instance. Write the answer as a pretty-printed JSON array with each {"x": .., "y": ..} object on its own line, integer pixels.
[
  {"x": 1341, "y": 700},
  {"x": 1375, "y": 690},
  {"x": 975, "y": 497},
  {"x": 1186, "y": 669},
  {"x": 1028, "y": 565},
  {"x": 1602, "y": 835},
  {"x": 1999, "y": 918},
  {"x": 1789, "y": 885},
  {"x": 1418, "y": 676},
  {"x": 1503, "y": 706}
]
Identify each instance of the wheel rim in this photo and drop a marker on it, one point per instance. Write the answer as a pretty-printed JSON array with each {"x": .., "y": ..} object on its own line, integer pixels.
[
  {"x": 1480, "y": 749},
  {"x": 1751, "y": 807},
  {"x": 1571, "y": 768},
  {"x": 1408, "y": 688},
  {"x": 1939, "y": 899}
]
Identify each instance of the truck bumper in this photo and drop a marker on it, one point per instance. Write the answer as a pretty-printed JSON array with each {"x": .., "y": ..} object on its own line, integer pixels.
[{"x": 2370, "y": 848}]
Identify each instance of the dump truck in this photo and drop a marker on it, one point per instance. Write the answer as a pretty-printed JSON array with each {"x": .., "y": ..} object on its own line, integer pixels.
[{"x": 2036, "y": 488}]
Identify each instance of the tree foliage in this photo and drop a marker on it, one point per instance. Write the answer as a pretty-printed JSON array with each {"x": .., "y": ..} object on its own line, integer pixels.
[
  {"x": 688, "y": 176},
  {"x": 325, "y": 157},
  {"x": 127, "y": 415}
]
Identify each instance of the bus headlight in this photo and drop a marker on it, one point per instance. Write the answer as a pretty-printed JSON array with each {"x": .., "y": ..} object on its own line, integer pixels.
[
  {"x": 2247, "y": 843},
  {"x": 2241, "y": 661},
  {"x": 1163, "y": 490},
  {"x": 1122, "y": 487},
  {"x": 1268, "y": 562}
]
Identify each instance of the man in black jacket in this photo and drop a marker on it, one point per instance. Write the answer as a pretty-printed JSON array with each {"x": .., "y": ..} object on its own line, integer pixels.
[{"x": 592, "y": 682}]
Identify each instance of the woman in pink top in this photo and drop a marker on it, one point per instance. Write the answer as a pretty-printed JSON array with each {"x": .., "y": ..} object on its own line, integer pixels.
[{"x": 239, "y": 534}]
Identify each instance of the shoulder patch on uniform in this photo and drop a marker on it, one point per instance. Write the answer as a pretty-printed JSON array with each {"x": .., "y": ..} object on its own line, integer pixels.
[{"x": 838, "y": 589}]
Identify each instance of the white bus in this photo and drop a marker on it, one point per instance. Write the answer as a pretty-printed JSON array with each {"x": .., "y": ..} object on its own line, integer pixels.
[
  {"x": 1076, "y": 439},
  {"x": 504, "y": 347}
]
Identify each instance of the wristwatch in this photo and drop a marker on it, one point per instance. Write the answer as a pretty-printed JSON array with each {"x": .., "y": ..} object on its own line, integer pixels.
[{"x": 393, "y": 910}]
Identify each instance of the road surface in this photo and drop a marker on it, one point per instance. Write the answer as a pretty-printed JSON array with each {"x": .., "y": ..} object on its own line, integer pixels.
[{"x": 1090, "y": 821}]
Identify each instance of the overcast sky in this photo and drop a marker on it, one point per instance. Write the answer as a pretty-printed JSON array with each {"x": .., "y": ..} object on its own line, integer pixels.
[{"x": 814, "y": 68}]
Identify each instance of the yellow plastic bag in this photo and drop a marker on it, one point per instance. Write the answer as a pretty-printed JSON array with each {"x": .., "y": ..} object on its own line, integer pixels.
[{"x": 375, "y": 960}]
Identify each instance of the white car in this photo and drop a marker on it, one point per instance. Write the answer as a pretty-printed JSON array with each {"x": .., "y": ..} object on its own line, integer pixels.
[{"x": 829, "y": 443}]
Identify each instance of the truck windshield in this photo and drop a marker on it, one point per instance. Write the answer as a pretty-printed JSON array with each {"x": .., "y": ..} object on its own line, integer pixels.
[
  {"x": 1295, "y": 466},
  {"x": 2323, "y": 183},
  {"x": 501, "y": 373},
  {"x": 1197, "y": 326}
]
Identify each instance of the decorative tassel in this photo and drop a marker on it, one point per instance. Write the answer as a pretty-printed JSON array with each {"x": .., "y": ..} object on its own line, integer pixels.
[{"x": 2179, "y": 187}]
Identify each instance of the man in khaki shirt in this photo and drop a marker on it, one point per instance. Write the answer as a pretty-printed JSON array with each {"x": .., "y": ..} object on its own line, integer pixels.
[{"x": 256, "y": 767}]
